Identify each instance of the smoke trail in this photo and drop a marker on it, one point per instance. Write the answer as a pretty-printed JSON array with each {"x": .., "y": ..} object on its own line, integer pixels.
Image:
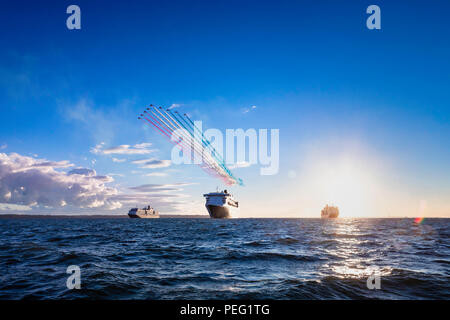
[{"x": 190, "y": 139}]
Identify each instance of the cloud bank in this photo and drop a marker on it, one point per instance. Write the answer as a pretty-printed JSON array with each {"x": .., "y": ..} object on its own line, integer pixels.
[{"x": 27, "y": 181}]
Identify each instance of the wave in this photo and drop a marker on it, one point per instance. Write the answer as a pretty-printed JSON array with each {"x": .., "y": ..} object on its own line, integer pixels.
[{"x": 245, "y": 259}]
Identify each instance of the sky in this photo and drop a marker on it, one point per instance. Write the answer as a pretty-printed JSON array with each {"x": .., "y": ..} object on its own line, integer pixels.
[{"x": 363, "y": 115}]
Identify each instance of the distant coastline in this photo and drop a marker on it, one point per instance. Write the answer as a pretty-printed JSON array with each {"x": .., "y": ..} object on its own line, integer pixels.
[
  {"x": 180, "y": 216},
  {"x": 93, "y": 216}
]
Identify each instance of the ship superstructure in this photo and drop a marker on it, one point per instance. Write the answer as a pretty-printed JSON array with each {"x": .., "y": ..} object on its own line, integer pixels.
[
  {"x": 330, "y": 212},
  {"x": 147, "y": 212},
  {"x": 221, "y": 205}
]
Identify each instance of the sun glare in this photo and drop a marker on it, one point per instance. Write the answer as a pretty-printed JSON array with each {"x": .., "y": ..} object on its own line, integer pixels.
[{"x": 345, "y": 183}]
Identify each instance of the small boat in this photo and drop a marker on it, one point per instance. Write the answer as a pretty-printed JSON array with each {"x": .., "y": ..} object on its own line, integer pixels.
[
  {"x": 330, "y": 212},
  {"x": 145, "y": 213}
]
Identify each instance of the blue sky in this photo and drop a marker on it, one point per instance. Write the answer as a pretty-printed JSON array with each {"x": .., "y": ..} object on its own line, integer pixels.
[{"x": 342, "y": 96}]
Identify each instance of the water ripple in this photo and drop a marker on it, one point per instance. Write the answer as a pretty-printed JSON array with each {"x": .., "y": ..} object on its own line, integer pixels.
[{"x": 231, "y": 259}]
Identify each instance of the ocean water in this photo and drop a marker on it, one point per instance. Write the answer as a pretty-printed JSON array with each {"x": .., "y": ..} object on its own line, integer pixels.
[{"x": 225, "y": 259}]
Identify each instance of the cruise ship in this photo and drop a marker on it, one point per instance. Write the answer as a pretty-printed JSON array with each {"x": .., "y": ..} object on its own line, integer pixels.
[
  {"x": 330, "y": 212},
  {"x": 145, "y": 213},
  {"x": 221, "y": 205}
]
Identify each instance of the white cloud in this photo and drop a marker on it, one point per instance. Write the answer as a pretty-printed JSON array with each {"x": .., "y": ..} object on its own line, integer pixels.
[
  {"x": 3, "y": 146},
  {"x": 13, "y": 207},
  {"x": 43, "y": 186},
  {"x": 165, "y": 203},
  {"x": 116, "y": 174},
  {"x": 156, "y": 174},
  {"x": 142, "y": 161},
  {"x": 118, "y": 160},
  {"x": 175, "y": 105},
  {"x": 152, "y": 163},
  {"x": 151, "y": 188},
  {"x": 141, "y": 148},
  {"x": 83, "y": 172},
  {"x": 247, "y": 110},
  {"x": 33, "y": 182},
  {"x": 166, "y": 198},
  {"x": 143, "y": 145}
]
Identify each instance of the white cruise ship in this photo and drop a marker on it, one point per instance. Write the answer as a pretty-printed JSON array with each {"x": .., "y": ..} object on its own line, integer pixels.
[
  {"x": 221, "y": 205},
  {"x": 145, "y": 213}
]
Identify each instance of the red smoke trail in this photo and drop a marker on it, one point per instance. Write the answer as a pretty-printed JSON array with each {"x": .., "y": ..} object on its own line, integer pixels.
[
  {"x": 167, "y": 124},
  {"x": 158, "y": 121},
  {"x": 195, "y": 147},
  {"x": 218, "y": 157},
  {"x": 180, "y": 144},
  {"x": 199, "y": 145},
  {"x": 142, "y": 115}
]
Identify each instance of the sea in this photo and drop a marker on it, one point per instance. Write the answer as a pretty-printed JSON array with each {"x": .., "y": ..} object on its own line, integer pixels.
[{"x": 177, "y": 258}]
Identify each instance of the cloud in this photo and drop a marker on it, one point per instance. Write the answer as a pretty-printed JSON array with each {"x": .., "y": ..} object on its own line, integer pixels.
[
  {"x": 143, "y": 145},
  {"x": 174, "y": 105},
  {"x": 26, "y": 181},
  {"x": 52, "y": 164},
  {"x": 144, "y": 197},
  {"x": 103, "y": 123},
  {"x": 242, "y": 164},
  {"x": 156, "y": 174},
  {"x": 152, "y": 163},
  {"x": 3, "y": 146},
  {"x": 40, "y": 185},
  {"x": 165, "y": 203},
  {"x": 141, "y": 148},
  {"x": 102, "y": 126},
  {"x": 118, "y": 160},
  {"x": 149, "y": 188},
  {"x": 247, "y": 110},
  {"x": 13, "y": 207},
  {"x": 83, "y": 171},
  {"x": 116, "y": 174},
  {"x": 164, "y": 197},
  {"x": 28, "y": 163}
]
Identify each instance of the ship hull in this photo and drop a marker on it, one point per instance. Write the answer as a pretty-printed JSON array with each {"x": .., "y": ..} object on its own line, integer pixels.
[
  {"x": 221, "y": 212},
  {"x": 330, "y": 212},
  {"x": 221, "y": 205},
  {"x": 143, "y": 216},
  {"x": 331, "y": 216}
]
